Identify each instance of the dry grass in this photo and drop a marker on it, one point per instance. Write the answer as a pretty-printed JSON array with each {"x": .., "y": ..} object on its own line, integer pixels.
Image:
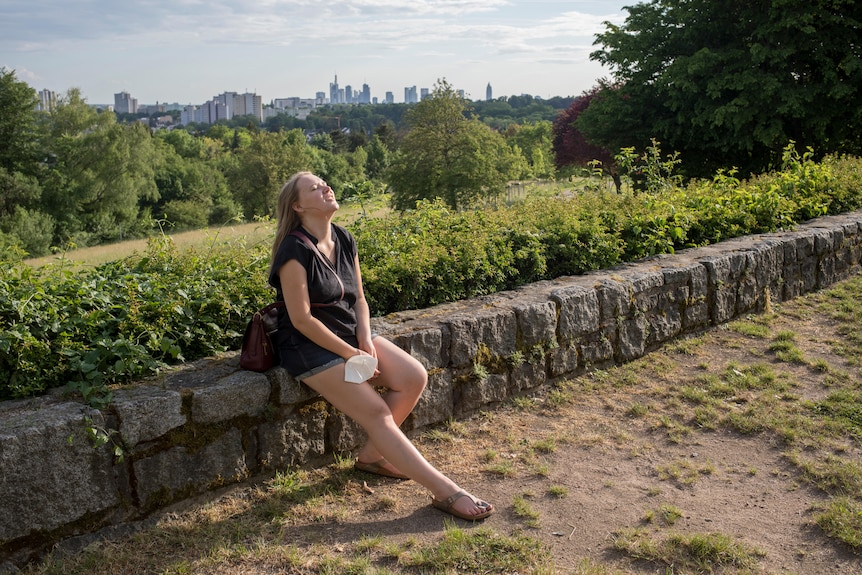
[{"x": 716, "y": 454}]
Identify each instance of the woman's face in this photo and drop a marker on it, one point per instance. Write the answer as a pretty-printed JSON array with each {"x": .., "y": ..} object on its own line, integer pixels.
[{"x": 314, "y": 196}]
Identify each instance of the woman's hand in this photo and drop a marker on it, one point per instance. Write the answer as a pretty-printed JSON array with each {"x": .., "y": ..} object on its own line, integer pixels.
[{"x": 366, "y": 347}]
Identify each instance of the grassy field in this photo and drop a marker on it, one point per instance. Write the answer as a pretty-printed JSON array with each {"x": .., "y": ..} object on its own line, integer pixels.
[
  {"x": 262, "y": 231},
  {"x": 207, "y": 238},
  {"x": 198, "y": 239}
]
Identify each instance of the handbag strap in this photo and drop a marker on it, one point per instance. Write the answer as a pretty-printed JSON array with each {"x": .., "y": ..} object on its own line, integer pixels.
[{"x": 304, "y": 237}]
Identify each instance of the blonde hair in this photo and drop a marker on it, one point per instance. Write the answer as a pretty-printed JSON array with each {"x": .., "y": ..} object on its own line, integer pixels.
[{"x": 287, "y": 218}]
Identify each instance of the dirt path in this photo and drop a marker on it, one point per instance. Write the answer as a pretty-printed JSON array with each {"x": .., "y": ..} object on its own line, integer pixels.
[{"x": 619, "y": 471}]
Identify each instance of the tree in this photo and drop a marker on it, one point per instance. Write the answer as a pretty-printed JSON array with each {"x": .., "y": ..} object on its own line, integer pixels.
[
  {"x": 535, "y": 141},
  {"x": 262, "y": 167},
  {"x": 17, "y": 139},
  {"x": 100, "y": 172},
  {"x": 447, "y": 155},
  {"x": 378, "y": 158},
  {"x": 571, "y": 147},
  {"x": 731, "y": 83}
]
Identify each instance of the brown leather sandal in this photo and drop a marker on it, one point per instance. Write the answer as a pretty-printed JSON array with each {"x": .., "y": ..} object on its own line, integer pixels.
[
  {"x": 378, "y": 468},
  {"x": 448, "y": 505}
]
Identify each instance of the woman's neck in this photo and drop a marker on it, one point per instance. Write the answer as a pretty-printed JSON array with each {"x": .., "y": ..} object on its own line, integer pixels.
[{"x": 320, "y": 228}]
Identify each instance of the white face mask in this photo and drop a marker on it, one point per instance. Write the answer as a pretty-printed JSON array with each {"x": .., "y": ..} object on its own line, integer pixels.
[{"x": 359, "y": 368}]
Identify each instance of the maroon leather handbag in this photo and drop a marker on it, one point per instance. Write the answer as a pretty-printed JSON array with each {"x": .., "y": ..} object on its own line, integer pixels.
[{"x": 258, "y": 353}]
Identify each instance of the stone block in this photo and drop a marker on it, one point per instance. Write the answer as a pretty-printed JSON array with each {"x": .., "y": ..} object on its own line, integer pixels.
[
  {"x": 826, "y": 241},
  {"x": 241, "y": 393},
  {"x": 529, "y": 376},
  {"x": 51, "y": 475},
  {"x": 808, "y": 270},
  {"x": 292, "y": 439},
  {"x": 428, "y": 345},
  {"x": 642, "y": 281},
  {"x": 664, "y": 325},
  {"x": 632, "y": 338},
  {"x": 475, "y": 394},
  {"x": 495, "y": 328},
  {"x": 614, "y": 300},
  {"x": 289, "y": 391},
  {"x": 747, "y": 295},
  {"x": 597, "y": 350},
  {"x": 436, "y": 402},
  {"x": 769, "y": 267},
  {"x": 146, "y": 413},
  {"x": 181, "y": 472},
  {"x": 343, "y": 434},
  {"x": 726, "y": 268},
  {"x": 696, "y": 316},
  {"x": 724, "y": 304},
  {"x": 563, "y": 360},
  {"x": 537, "y": 323},
  {"x": 579, "y": 312},
  {"x": 805, "y": 245}
]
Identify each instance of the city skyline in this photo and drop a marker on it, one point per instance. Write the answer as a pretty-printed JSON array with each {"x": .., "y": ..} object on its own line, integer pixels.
[{"x": 188, "y": 52}]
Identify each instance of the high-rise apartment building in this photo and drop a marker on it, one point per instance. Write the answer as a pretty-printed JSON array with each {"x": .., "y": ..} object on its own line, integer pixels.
[
  {"x": 125, "y": 104},
  {"x": 390, "y": 98},
  {"x": 424, "y": 93},
  {"x": 248, "y": 104}
]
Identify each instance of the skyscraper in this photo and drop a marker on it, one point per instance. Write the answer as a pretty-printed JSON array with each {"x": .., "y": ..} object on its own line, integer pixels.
[
  {"x": 488, "y": 95},
  {"x": 334, "y": 92},
  {"x": 410, "y": 96}
]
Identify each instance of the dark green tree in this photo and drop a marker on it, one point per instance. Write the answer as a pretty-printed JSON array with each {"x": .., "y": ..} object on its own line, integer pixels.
[
  {"x": 731, "y": 83},
  {"x": 18, "y": 143},
  {"x": 447, "y": 155}
]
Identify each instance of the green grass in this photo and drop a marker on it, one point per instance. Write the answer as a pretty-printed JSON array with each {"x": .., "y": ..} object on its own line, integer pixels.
[
  {"x": 480, "y": 550},
  {"x": 685, "y": 553}
]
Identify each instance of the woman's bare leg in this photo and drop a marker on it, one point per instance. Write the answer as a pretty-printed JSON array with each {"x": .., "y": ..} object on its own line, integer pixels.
[
  {"x": 365, "y": 406},
  {"x": 404, "y": 379}
]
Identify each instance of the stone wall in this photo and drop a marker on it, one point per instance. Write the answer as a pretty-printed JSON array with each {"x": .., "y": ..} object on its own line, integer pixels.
[{"x": 211, "y": 424}]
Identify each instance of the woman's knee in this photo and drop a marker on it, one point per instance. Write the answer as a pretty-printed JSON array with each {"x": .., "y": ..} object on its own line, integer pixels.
[{"x": 402, "y": 366}]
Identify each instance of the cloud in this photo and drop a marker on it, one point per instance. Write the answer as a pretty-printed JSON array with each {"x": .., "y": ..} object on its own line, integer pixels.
[{"x": 65, "y": 24}]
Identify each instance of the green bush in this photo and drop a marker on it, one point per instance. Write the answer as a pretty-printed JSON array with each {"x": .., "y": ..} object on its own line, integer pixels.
[
  {"x": 93, "y": 328},
  {"x": 123, "y": 320}
]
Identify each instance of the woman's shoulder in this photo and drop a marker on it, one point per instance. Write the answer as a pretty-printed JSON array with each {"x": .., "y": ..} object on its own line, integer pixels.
[
  {"x": 345, "y": 237},
  {"x": 343, "y": 233}
]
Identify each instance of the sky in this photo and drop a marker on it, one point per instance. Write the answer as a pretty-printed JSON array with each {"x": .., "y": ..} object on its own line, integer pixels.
[{"x": 189, "y": 51}]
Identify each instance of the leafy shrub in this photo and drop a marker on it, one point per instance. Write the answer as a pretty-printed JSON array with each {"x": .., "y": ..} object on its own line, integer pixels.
[{"x": 122, "y": 320}]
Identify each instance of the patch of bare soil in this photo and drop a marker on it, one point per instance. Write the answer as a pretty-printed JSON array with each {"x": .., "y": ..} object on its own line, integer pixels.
[{"x": 611, "y": 458}]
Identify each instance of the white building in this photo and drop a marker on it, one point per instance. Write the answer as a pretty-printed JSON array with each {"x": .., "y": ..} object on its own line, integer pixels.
[{"x": 47, "y": 100}]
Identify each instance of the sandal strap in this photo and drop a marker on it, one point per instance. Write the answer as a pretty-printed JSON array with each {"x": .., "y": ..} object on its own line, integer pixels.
[{"x": 450, "y": 501}]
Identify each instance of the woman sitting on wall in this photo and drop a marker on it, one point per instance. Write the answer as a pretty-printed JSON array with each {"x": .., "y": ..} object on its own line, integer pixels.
[{"x": 315, "y": 270}]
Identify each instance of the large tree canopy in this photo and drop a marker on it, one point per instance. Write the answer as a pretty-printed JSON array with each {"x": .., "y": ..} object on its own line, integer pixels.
[
  {"x": 731, "y": 83},
  {"x": 447, "y": 155}
]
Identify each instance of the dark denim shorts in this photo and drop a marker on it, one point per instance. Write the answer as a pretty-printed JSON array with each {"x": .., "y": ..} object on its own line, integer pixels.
[{"x": 307, "y": 358}]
